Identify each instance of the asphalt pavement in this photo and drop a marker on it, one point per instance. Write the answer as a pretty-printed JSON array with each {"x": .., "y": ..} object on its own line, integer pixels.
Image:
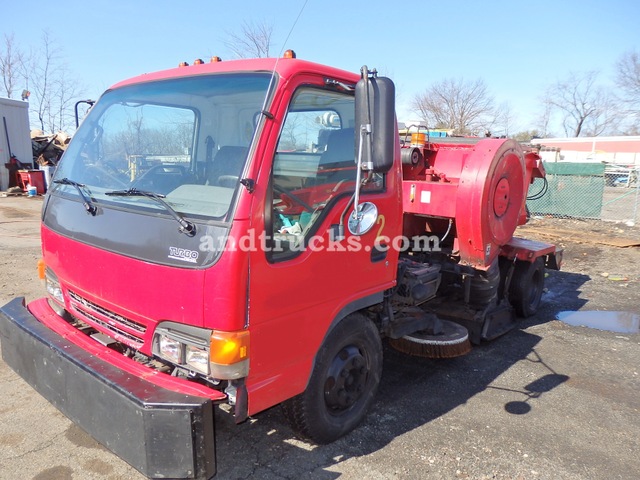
[{"x": 545, "y": 401}]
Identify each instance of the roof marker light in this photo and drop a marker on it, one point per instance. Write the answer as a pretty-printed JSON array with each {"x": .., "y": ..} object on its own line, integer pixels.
[
  {"x": 215, "y": 59},
  {"x": 289, "y": 54},
  {"x": 183, "y": 64},
  {"x": 198, "y": 61}
]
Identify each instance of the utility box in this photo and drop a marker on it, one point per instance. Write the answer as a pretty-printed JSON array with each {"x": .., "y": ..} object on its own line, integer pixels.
[
  {"x": 15, "y": 138},
  {"x": 33, "y": 178}
]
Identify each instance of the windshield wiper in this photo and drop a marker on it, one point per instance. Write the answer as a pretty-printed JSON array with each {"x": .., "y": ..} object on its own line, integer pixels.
[
  {"x": 186, "y": 227},
  {"x": 86, "y": 200}
]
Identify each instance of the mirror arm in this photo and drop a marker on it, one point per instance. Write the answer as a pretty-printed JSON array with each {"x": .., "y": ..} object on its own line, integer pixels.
[
  {"x": 364, "y": 161},
  {"x": 365, "y": 132},
  {"x": 365, "y": 142}
]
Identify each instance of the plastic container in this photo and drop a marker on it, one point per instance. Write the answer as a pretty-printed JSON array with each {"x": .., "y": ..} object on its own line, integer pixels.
[{"x": 32, "y": 191}]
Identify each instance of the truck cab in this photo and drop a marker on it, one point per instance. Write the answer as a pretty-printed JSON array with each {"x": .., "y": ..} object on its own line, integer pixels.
[{"x": 189, "y": 234}]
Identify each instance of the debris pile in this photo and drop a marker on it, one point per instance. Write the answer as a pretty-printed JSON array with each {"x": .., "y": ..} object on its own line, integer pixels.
[
  {"x": 47, "y": 149},
  {"x": 46, "y": 152}
]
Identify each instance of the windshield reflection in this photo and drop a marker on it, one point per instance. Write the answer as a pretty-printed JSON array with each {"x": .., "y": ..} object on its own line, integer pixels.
[{"x": 185, "y": 140}]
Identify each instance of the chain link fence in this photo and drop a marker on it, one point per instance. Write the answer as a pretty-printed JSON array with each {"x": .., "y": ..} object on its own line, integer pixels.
[{"x": 586, "y": 190}]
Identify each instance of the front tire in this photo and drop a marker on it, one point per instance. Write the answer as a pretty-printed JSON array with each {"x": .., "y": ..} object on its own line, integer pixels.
[{"x": 343, "y": 383}]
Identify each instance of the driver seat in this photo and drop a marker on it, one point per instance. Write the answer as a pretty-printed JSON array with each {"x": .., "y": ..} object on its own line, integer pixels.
[
  {"x": 337, "y": 163},
  {"x": 226, "y": 167}
]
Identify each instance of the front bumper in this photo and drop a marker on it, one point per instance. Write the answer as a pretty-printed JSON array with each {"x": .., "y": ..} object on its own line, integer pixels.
[{"x": 161, "y": 433}]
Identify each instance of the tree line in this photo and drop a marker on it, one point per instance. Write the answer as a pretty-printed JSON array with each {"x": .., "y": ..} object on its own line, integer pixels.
[
  {"x": 42, "y": 77},
  {"x": 574, "y": 106}
]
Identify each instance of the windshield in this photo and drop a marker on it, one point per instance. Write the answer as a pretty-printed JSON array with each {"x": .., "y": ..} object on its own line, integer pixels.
[{"x": 183, "y": 139}]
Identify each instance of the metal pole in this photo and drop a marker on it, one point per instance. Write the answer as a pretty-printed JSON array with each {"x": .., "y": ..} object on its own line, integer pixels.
[
  {"x": 635, "y": 205},
  {"x": 6, "y": 132}
]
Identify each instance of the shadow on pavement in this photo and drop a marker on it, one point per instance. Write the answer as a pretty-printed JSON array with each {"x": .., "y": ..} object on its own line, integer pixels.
[
  {"x": 413, "y": 392},
  {"x": 562, "y": 292}
]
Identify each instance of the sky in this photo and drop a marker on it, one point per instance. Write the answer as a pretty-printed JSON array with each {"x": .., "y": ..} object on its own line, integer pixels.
[{"x": 517, "y": 48}]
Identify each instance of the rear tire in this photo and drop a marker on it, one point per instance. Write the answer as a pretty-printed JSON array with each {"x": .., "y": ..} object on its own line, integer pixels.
[
  {"x": 527, "y": 285},
  {"x": 484, "y": 285},
  {"x": 343, "y": 383}
]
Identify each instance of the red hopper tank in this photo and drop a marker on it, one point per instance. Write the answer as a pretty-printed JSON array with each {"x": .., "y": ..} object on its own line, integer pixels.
[{"x": 469, "y": 192}]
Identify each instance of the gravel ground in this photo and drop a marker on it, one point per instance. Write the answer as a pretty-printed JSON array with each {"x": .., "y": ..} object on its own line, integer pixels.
[{"x": 546, "y": 401}]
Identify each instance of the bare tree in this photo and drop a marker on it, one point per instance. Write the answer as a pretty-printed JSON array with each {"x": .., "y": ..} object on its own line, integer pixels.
[
  {"x": 628, "y": 77},
  {"x": 544, "y": 117},
  {"x": 253, "y": 40},
  {"x": 53, "y": 88},
  {"x": 607, "y": 117},
  {"x": 456, "y": 104},
  {"x": 628, "y": 80},
  {"x": 12, "y": 62},
  {"x": 505, "y": 118},
  {"x": 585, "y": 107}
]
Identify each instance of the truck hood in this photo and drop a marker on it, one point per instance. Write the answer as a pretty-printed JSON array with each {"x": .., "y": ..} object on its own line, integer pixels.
[{"x": 127, "y": 266}]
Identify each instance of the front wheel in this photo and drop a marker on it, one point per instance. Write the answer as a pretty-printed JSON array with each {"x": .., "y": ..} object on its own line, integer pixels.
[{"x": 343, "y": 383}]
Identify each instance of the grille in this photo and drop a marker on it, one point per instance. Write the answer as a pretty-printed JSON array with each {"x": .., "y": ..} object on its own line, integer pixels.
[{"x": 121, "y": 328}]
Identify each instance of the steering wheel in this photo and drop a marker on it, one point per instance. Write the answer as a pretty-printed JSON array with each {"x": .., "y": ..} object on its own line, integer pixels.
[
  {"x": 289, "y": 198},
  {"x": 148, "y": 175},
  {"x": 105, "y": 176}
]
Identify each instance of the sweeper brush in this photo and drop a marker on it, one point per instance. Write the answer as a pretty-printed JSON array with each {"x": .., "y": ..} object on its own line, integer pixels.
[{"x": 452, "y": 340}]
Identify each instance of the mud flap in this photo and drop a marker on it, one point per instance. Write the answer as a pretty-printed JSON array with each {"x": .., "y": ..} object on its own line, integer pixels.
[{"x": 161, "y": 433}]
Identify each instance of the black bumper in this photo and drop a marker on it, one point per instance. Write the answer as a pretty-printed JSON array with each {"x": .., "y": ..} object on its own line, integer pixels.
[{"x": 161, "y": 433}]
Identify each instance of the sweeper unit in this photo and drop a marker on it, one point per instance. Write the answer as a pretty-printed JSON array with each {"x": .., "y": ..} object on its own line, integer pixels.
[{"x": 469, "y": 195}]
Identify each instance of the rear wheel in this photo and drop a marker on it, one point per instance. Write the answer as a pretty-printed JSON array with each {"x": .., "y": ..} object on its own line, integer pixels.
[
  {"x": 343, "y": 383},
  {"x": 484, "y": 285},
  {"x": 527, "y": 285}
]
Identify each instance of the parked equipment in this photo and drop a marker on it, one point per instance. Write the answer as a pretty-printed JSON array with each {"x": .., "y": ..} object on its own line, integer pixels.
[{"x": 250, "y": 232}]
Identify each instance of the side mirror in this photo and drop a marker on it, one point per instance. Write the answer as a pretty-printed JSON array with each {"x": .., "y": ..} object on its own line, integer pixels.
[{"x": 375, "y": 121}]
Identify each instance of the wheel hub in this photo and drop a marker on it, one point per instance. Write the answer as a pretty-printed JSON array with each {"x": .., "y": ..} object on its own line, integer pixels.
[{"x": 346, "y": 379}]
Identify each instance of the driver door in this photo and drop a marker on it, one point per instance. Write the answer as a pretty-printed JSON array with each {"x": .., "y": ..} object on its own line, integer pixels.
[{"x": 304, "y": 279}]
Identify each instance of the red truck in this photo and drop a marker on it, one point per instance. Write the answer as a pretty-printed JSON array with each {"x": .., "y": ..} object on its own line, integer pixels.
[{"x": 250, "y": 232}]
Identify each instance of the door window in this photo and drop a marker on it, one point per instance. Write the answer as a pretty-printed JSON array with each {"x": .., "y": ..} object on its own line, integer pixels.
[{"x": 314, "y": 165}]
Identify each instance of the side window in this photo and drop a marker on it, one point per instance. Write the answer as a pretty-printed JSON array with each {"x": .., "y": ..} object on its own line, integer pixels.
[{"x": 314, "y": 164}]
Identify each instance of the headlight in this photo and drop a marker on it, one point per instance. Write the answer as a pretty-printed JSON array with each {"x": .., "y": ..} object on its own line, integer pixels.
[
  {"x": 170, "y": 349},
  {"x": 183, "y": 345},
  {"x": 53, "y": 286},
  {"x": 197, "y": 358},
  {"x": 221, "y": 355}
]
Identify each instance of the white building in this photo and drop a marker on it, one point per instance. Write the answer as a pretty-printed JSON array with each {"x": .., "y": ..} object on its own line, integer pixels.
[
  {"x": 623, "y": 151},
  {"x": 14, "y": 132}
]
